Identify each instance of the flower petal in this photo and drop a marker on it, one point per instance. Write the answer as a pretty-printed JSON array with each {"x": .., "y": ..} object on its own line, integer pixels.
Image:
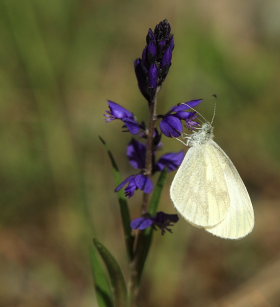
[
  {"x": 141, "y": 73},
  {"x": 186, "y": 105},
  {"x": 171, "y": 126},
  {"x": 122, "y": 184},
  {"x": 136, "y": 153},
  {"x": 144, "y": 183},
  {"x": 118, "y": 111},
  {"x": 153, "y": 76},
  {"x": 142, "y": 223},
  {"x": 171, "y": 161},
  {"x": 132, "y": 125},
  {"x": 185, "y": 115},
  {"x": 166, "y": 60}
]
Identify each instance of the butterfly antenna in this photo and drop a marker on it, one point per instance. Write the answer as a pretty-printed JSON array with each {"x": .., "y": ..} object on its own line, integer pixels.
[
  {"x": 196, "y": 112},
  {"x": 214, "y": 113},
  {"x": 181, "y": 141}
]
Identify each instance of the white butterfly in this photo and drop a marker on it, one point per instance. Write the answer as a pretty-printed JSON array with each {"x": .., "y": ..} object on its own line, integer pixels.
[{"x": 208, "y": 191}]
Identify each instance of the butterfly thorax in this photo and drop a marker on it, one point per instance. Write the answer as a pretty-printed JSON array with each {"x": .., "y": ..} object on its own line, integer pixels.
[{"x": 201, "y": 136}]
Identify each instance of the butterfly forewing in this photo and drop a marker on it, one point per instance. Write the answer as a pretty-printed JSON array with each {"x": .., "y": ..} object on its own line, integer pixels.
[
  {"x": 239, "y": 220},
  {"x": 199, "y": 189}
]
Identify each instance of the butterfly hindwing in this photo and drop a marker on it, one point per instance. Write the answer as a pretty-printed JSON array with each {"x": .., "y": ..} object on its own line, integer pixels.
[{"x": 239, "y": 220}]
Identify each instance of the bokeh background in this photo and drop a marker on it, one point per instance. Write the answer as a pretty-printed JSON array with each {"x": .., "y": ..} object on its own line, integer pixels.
[{"x": 60, "y": 61}]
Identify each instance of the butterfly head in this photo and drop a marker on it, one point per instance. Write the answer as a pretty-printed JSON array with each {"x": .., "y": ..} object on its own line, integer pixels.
[{"x": 202, "y": 135}]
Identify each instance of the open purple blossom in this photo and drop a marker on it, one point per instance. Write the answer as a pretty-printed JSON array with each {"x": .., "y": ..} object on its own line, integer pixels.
[
  {"x": 161, "y": 220},
  {"x": 116, "y": 111},
  {"x": 135, "y": 182},
  {"x": 171, "y": 123},
  {"x": 152, "y": 68},
  {"x": 170, "y": 161},
  {"x": 136, "y": 153}
]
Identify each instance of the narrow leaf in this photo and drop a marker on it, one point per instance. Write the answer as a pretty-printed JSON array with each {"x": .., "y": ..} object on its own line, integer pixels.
[
  {"x": 157, "y": 192},
  {"x": 122, "y": 203},
  {"x": 101, "y": 283},
  {"x": 115, "y": 273},
  {"x": 145, "y": 237}
]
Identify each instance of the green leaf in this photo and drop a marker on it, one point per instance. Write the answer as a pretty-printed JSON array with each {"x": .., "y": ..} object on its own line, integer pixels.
[
  {"x": 122, "y": 203},
  {"x": 101, "y": 283},
  {"x": 145, "y": 237},
  {"x": 115, "y": 273},
  {"x": 157, "y": 192}
]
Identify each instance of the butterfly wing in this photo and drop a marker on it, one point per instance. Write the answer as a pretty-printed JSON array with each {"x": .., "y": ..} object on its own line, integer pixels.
[
  {"x": 239, "y": 220},
  {"x": 199, "y": 190}
]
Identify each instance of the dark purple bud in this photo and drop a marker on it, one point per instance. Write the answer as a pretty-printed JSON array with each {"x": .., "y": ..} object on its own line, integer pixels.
[
  {"x": 150, "y": 36},
  {"x": 151, "y": 52},
  {"x": 145, "y": 62},
  {"x": 156, "y": 60},
  {"x": 166, "y": 60},
  {"x": 171, "y": 161},
  {"x": 162, "y": 45},
  {"x": 172, "y": 43},
  {"x": 171, "y": 126},
  {"x": 163, "y": 221},
  {"x": 136, "y": 153},
  {"x": 142, "y": 76},
  {"x": 153, "y": 76},
  {"x": 162, "y": 30}
]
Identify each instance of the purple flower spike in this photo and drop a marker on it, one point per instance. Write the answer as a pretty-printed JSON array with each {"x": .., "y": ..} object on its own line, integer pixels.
[
  {"x": 152, "y": 68},
  {"x": 171, "y": 126},
  {"x": 116, "y": 111},
  {"x": 136, "y": 153},
  {"x": 162, "y": 221},
  {"x": 171, "y": 161},
  {"x": 135, "y": 182}
]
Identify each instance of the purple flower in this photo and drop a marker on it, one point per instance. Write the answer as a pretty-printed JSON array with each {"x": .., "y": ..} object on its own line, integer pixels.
[
  {"x": 152, "y": 68},
  {"x": 186, "y": 105},
  {"x": 135, "y": 182},
  {"x": 171, "y": 161},
  {"x": 162, "y": 221},
  {"x": 171, "y": 126},
  {"x": 136, "y": 153},
  {"x": 116, "y": 111},
  {"x": 171, "y": 123}
]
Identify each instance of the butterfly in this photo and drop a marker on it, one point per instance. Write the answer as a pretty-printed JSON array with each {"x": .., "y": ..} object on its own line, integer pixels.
[{"x": 208, "y": 191}]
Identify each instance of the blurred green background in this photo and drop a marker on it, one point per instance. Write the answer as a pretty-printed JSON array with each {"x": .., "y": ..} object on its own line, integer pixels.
[{"x": 60, "y": 61}]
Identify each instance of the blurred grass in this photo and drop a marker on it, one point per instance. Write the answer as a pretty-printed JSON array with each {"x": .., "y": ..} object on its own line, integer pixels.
[{"x": 59, "y": 62}]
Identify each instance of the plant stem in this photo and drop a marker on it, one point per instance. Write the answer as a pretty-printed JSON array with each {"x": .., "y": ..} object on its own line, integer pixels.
[
  {"x": 149, "y": 149},
  {"x": 135, "y": 272}
]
